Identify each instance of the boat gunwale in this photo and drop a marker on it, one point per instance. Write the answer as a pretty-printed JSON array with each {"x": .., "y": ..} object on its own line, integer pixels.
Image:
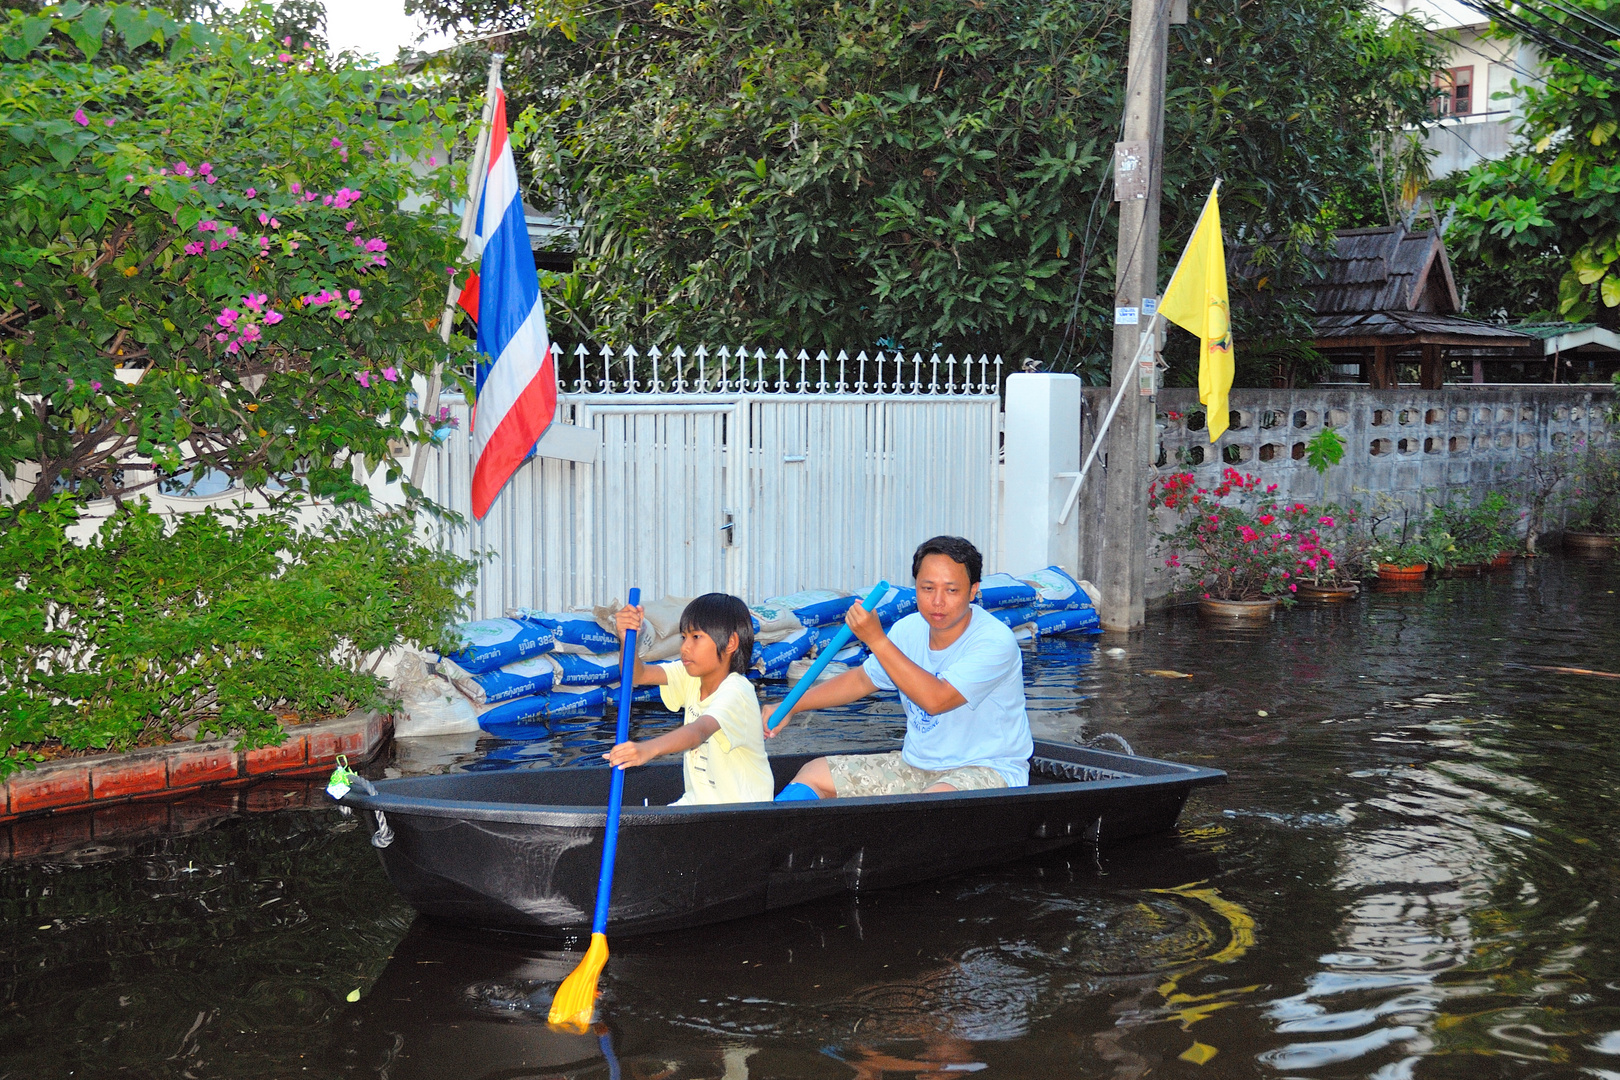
[{"x": 576, "y": 816}]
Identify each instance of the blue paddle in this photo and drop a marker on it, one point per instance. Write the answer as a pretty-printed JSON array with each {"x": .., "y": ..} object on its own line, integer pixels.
[
  {"x": 576, "y": 997},
  {"x": 808, "y": 679}
]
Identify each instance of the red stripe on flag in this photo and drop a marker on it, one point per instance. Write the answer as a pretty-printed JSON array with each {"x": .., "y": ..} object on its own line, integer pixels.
[
  {"x": 524, "y": 424},
  {"x": 468, "y": 300},
  {"x": 497, "y": 132}
]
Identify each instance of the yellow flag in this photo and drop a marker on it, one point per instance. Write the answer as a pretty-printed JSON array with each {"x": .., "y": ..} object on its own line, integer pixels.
[{"x": 1195, "y": 300}]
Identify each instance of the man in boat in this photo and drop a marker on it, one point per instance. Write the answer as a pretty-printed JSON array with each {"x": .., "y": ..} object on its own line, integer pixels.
[{"x": 960, "y": 676}]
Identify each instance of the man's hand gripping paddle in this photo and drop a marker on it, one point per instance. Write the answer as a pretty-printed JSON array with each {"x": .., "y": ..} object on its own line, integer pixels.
[
  {"x": 808, "y": 679},
  {"x": 576, "y": 997}
]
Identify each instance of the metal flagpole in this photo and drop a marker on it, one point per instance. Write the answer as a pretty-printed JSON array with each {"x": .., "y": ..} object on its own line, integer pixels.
[{"x": 469, "y": 218}]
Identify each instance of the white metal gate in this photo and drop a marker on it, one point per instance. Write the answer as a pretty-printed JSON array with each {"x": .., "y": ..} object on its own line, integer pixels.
[{"x": 738, "y": 485}]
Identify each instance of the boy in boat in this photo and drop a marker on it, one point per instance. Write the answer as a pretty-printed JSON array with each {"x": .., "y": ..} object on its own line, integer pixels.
[
  {"x": 961, "y": 679},
  {"x": 721, "y": 739}
]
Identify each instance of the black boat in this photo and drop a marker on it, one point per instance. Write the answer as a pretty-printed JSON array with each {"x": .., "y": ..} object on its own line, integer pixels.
[{"x": 520, "y": 849}]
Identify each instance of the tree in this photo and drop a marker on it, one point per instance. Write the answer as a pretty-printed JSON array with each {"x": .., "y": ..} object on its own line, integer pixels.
[
  {"x": 926, "y": 173},
  {"x": 207, "y": 262},
  {"x": 1553, "y": 205}
]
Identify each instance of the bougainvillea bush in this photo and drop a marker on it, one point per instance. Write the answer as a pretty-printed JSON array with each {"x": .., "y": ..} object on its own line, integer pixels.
[
  {"x": 222, "y": 622},
  {"x": 220, "y": 251},
  {"x": 1235, "y": 539}
]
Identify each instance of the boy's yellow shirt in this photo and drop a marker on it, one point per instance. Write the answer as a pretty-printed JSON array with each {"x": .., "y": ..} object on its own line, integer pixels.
[{"x": 730, "y": 765}]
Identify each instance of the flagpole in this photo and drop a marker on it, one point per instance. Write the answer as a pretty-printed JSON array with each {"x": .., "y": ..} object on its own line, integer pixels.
[
  {"x": 1153, "y": 327},
  {"x": 469, "y": 218}
]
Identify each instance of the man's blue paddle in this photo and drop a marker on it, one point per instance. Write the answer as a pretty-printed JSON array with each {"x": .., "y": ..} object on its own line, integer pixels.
[
  {"x": 840, "y": 639},
  {"x": 576, "y": 997}
]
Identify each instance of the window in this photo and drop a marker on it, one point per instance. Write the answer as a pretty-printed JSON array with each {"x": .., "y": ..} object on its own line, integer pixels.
[{"x": 1456, "y": 87}]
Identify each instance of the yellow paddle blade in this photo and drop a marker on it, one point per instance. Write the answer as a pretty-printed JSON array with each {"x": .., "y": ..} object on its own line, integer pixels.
[{"x": 576, "y": 997}]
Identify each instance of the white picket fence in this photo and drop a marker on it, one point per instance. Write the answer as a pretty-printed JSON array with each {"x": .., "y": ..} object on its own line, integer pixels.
[{"x": 717, "y": 472}]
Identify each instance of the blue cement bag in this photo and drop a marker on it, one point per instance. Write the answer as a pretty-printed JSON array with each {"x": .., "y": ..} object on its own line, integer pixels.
[
  {"x": 531, "y": 709},
  {"x": 820, "y": 636},
  {"x": 772, "y": 660},
  {"x": 577, "y": 632},
  {"x": 1078, "y": 621},
  {"x": 492, "y": 643},
  {"x": 1056, "y": 590},
  {"x": 521, "y": 679},
  {"x": 1016, "y": 616},
  {"x": 643, "y": 694},
  {"x": 592, "y": 702},
  {"x": 579, "y": 669},
  {"x": 897, "y": 604},
  {"x": 1004, "y": 591},
  {"x": 815, "y": 607}
]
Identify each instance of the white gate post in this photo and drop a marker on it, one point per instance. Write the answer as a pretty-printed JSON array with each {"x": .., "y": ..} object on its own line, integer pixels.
[{"x": 1042, "y": 458}]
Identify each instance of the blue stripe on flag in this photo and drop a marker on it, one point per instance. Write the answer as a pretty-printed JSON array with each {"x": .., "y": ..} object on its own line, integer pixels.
[{"x": 508, "y": 287}]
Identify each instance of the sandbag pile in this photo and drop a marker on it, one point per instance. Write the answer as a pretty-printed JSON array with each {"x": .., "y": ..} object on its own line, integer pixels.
[{"x": 534, "y": 666}]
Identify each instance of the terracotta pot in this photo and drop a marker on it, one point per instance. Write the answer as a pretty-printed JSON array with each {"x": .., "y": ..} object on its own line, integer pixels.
[
  {"x": 1502, "y": 561},
  {"x": 1326, "y": 594},
  {"x": 1247, "y": 610},
  {"x": 1596, "y": 543},
  {"x": 1391, "y": 572}
]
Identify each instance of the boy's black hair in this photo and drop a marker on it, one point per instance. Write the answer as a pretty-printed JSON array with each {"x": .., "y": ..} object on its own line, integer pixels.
[
  {"x": 955, "y": 548},
  {"x": 720, "y": 615}
]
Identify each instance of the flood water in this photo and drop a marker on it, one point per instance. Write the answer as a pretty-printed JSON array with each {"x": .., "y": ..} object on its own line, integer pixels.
[{"x": 1410, "y": 874}]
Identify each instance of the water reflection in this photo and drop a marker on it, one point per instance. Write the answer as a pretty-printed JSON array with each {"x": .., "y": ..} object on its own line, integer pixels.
[{"x": 1411, "y": 874}]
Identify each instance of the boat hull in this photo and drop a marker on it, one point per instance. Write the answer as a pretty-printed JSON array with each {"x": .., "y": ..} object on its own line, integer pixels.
[{"x": 520, "y": 849}]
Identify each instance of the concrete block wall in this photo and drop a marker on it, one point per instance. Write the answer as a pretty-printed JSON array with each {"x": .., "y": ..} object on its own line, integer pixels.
[{"x": 1422, "y": 446}]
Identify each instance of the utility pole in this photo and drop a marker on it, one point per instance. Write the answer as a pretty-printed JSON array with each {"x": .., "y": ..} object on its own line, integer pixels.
[{"x": 1138, "y": 167}]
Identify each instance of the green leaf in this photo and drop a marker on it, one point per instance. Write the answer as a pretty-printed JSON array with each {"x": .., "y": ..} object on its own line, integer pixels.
[
  {"x": 61, "y": 149},
  {"x": 35, "y": 30},
  {"x": 189, "y": 216},
  {"x": 86, "y": 31},
  {"x": 1610, "y": 291}
]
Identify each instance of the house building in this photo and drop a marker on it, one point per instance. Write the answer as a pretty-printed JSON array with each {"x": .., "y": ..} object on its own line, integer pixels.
[{"x": 1478, "y": 108}]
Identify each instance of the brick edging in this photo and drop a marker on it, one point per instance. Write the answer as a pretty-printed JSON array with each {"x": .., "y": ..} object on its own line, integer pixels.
[{"x": 178, "y": 768}]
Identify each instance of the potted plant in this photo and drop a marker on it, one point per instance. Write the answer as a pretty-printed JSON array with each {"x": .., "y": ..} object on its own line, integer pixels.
[
  {"x": 1322, "y": 538},
  {"x": 1592, "y": 501},
  {"x": 1236, "y": 541},
  {"x": 1405, "y": 553}
]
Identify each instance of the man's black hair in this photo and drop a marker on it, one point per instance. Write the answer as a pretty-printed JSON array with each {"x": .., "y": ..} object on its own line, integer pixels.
[
  {"x": 720, "y": 615},
  {"x": 955, "y": 548}
]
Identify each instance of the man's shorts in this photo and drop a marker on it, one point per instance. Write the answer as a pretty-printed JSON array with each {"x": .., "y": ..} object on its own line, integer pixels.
[{"x": 856, "y": 775}]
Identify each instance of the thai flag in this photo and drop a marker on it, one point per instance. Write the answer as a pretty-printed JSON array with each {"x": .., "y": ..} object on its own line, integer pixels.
[{"x": 517, "y": 377}]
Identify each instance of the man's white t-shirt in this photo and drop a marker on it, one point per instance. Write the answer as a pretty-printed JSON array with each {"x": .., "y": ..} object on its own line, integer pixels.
[
  {"x": 986, "y": 667},
  {"x": 730, "y": 765}
]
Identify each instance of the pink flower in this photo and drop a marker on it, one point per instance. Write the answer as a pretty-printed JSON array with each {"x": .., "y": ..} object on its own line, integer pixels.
[
  {"x": 80, "y": 119},
  {"x": 344, "y": 154},
  {"x": 350, "y": 226},
  {"x": 264, "y": 218},
  {"x": 70, "y": 384},
  {"x": 285, "y": 58},
  {"x": 1293, "y": 588},
  {"x": 274, "y": 224},
  {"x": 129, "y": 177},
  {"x": 212, "y": 179},
  {"x": 218, "y": 245},
  {"x": 233, "y": 348},
  {"x": 391, "y": 374},
  {"x": 222, "y": 336},
  {"x": 255, "y": 301},
  {"x": 252, "y": 192},
  {"x": 232, "y": 231},
  {"x": 1326, "y": 521},
  {"x": 181, "y": 168},
  {"x": 337, "y": 143},
  {"x": 293, "y": 246},
  {"x": 195, "y": 248},
  {"x": 96, "y": 385},
  {"x": 108, "y": 121},
  {"x": 272, "y": 317},
  {"x": 354, "y": 296},
  {"x": 227, "y": 318},
  {"x": 204, "y": 169},
  {"x": 207, "y": 226},
  {"x": 296, "y": 188},
  {"x": 264, "y": 244},
  {"x": 376, "y": 243},
  {"x": 379, "y": 260},
  {"x": 251, "y": 333},
  {"x": 433, "y": 160},
  {"x": 363, "y": 378},
  {"x": 343, "y": 314},
  {"x": 326, "y": 201}
]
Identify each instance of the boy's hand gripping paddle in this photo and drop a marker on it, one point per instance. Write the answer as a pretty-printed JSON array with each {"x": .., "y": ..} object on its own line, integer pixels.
[
  {"x": 576, "y": 997},
  {"x": 808, "y": 679}
]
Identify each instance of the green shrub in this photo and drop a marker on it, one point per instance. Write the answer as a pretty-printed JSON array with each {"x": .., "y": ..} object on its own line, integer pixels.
[{"x": 223, "y": 618}]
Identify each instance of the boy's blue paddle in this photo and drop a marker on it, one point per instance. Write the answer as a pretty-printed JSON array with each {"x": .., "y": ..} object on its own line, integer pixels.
[
  {"x": 808, "y": 679},
  {"x": 576, "y": 997}
]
